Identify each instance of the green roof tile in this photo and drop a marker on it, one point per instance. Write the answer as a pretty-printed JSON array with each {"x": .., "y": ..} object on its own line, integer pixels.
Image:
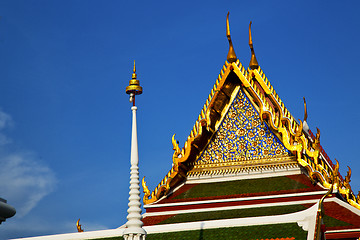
[
  {"x": 333, "y": 222},
  {"x": 233, "y": 213},
  {"x": 246, "y": 186}
]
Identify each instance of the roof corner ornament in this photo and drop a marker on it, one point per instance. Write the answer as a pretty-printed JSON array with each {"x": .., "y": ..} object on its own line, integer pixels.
[
  {"x": 134, "y": 229},
  {"x": 176, "y": 148},
  {"x": 231, "y": 57},
  {"x": 253, "y": 62},
  {"x": 305, "y": 125},
  {"x": 78, "y": 226},
  {"x": 320, "y": 226}
]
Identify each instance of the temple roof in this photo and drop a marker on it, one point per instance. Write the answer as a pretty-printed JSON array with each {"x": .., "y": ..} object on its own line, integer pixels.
[{"x": 248, "y": 94}]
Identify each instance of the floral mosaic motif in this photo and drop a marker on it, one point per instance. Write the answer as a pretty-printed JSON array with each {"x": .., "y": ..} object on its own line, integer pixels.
[{"x": 242, "y": 136}]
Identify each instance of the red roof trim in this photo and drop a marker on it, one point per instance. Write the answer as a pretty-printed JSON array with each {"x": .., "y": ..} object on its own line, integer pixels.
[{"x": 342, "y": 235}]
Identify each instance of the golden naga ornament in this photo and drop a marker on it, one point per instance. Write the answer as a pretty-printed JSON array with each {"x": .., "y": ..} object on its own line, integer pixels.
[
  {"x": 347, "y": 179},
  {"x": 78, "y": 226},
  {"x": 336, "y": 175}
]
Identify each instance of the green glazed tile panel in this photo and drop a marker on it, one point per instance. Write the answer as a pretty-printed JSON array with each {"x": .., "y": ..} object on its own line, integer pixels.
[
  {"x": 234, "y": 213},
  {"x": 241, "y": 187},
  {"x": 333, "y": 222}
]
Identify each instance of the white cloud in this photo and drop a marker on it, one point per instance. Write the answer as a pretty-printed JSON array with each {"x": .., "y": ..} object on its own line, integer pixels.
[
  {"x": 5, "y": 122},
  {"x": 24, "y": 181},
  {"x": 41, "y": 227}
]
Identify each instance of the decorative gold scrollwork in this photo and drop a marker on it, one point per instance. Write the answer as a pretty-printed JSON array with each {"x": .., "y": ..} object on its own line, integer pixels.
[
  {"x": 146, "y": 191},
  {"x": 347, "y": 179},
  {"x": 78, "y": 226}
]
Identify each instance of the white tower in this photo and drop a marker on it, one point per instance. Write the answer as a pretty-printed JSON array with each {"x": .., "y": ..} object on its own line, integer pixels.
[{"x": 134, "y": 230}]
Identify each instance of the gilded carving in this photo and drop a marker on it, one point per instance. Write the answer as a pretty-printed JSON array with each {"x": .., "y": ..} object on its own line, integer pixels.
[
  {"x": 347, "y": 180},
  {"x": 241, "y": 136}
]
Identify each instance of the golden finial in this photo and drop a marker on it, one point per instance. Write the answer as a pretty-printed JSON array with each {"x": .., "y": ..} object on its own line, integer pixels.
[
  {"x": 231, "y": 57},
  {"x": 134, "y": 87},
  {"x": 78, "y": 226},
  {"x": 305, "y": 111},
  {"x": 253, "y": 62},
  {"x": 134, "y": 72}
]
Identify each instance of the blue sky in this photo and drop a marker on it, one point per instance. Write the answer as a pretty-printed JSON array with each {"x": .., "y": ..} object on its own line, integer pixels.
[{"x": 65, "y": 118}]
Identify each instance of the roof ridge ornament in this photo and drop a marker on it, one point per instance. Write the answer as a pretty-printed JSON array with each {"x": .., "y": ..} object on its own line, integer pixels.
[
  {"x": 305, "y": 124},
  {"x": 319, "y": 224},
  {"x": 231, "y": 57},
  {"x": 253, "y": 62}
]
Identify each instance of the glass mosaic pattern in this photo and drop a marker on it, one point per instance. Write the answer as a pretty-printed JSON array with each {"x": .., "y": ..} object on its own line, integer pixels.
[{"x": 241, "y": 136}]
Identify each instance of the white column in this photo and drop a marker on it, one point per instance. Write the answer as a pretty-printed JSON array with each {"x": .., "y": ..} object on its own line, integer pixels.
[{"x": 134, "y": 230}]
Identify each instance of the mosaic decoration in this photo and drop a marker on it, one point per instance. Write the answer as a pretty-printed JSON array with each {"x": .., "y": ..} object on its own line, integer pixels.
[{"x": 242, "y": 136}]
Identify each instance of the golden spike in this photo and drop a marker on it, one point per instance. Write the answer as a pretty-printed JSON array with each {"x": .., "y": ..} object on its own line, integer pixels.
[
  {"x": 305, "y": 111},
  {"x": 78, "y": 226},
  {"x": 231, "y": 57},
  {"x": 253, "y": 62},
  {"x": 134, "y": 71}
]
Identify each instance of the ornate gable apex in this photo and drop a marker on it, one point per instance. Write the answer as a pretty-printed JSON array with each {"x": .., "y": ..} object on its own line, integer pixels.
[
  {"x": 297, "y": 140},
  {"x": 242, "y": 144}
]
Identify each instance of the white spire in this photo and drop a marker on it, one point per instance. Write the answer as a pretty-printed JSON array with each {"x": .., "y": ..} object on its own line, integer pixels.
[{"x": 134, "y": 230}]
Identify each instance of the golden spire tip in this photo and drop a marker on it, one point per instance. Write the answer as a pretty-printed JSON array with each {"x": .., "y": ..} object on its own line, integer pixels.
[
  {"x": 134, "y": 72},
  {"x": 231, "y": 57},
  {"x": 253, "y": 62},
  {"x": 134, "y": 84},
  {"x": 250, "y": 37},
  {"x": 228, "y": 27}
]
